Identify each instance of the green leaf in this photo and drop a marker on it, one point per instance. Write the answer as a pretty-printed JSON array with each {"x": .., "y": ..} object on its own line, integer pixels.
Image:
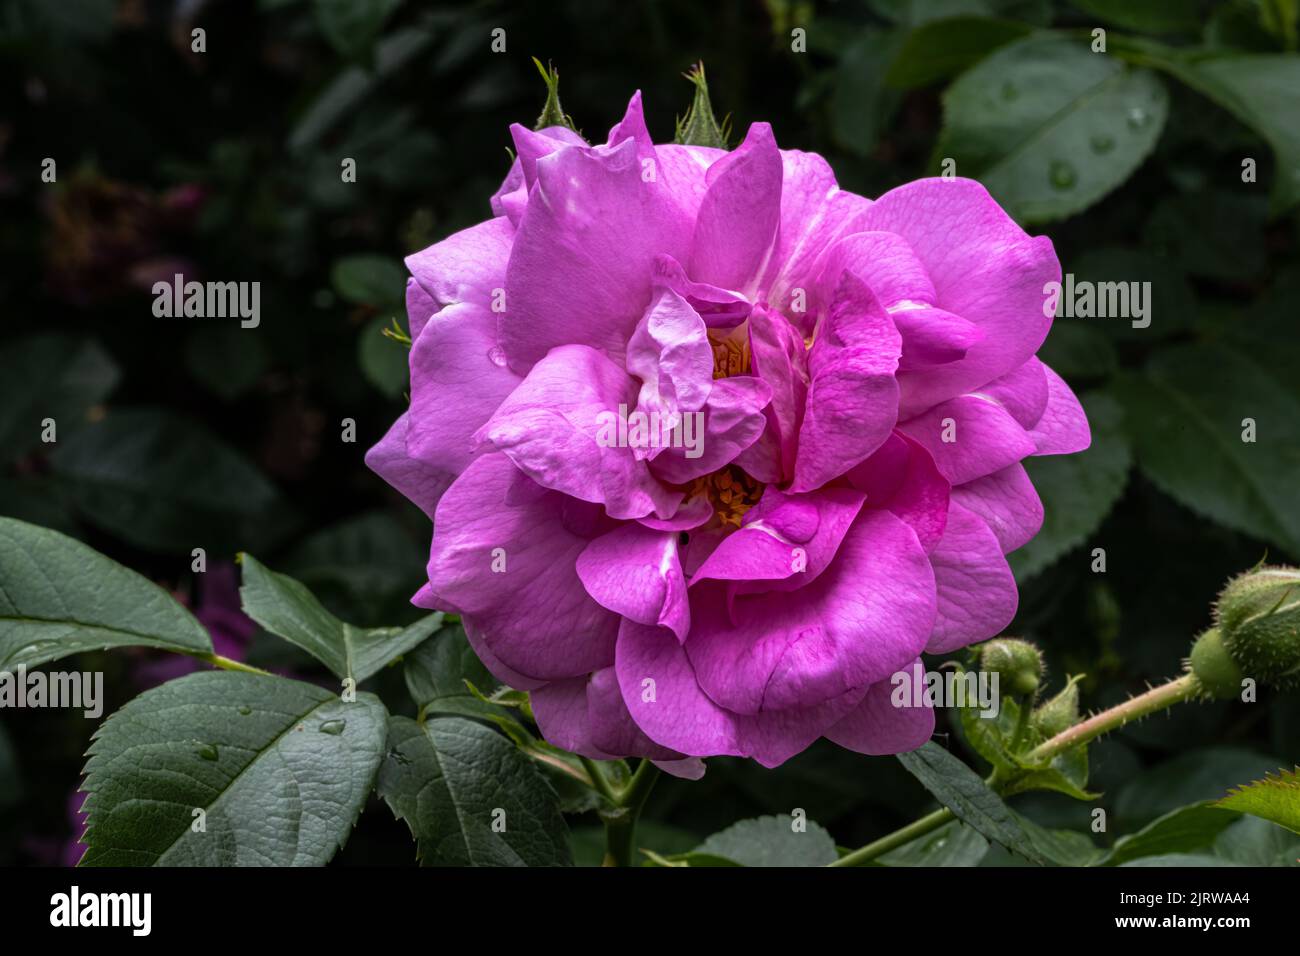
[
  {"x": 1191, "y": 777},
  {"x": 436, "y": 673},
  {"x": 1189, "y": 407},
  {"x": 1263, "y": 91},
  {"x": 353, "y": 26},
  {"x": 50, "y": 376},
  {"x": 59, "y": 597},
  {"x": 369, "y": 555},
  {"x": 1147, "y": 16},
  {"x": 961, "y": 790},
  {"x": 383, "y": 361},
  {"x": 1252, "y": 841},
  {"x": 1076, "y": 351},
  {"x": 1171, "y": 305},
  {"x": 279, "y": 768},
  {"x": 369, "y": 280},
  {"x": 288, "y": 610},
  {"x": 1275, "y": 799},
  {"x": 1050, "y": 127},
  {"x": 953, "y": 844},
  {"x": 1183, "y": 830},
  {"x": 164, "y": 483},
  {"x": 1077, "y": 491},
  {"x": 769, "y": 841},
  {"x": 944, "y": 48},
  {"x": 860, "y": 105},
  {"x": 470, "y": 797},
  {"x": 1062, "y": 847}
]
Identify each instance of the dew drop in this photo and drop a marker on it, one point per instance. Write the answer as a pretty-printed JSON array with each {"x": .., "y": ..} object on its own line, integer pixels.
[
  {"x": 332, "y": 727},
  {"x": 1138, "y": 117},
  {"x": 1102, "y": 143},
  {"x": 207, "y": 751},
  {"x": 245, "y": 709},
  {"x": 1062, "y": 174},
  {"x": 497, "y": 356}
]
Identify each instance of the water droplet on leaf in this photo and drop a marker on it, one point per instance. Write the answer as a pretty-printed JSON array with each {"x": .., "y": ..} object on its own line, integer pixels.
[
  {"x": 1062, "y": 174},
  {"x": 333, "y": 727},
  {"x": 207, "y": 751}
]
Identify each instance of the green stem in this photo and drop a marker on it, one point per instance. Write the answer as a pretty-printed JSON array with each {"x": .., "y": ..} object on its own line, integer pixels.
[
  {"x": 620, "y": 819},
  {"x": 917, "y": 828},
  {"x": 599, "y": 782},
  {"x": 226, "y": 664},
  {"x": 1156, "y": 699}
]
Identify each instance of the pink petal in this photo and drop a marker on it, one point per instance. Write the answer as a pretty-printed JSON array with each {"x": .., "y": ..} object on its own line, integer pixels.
[
  {"x": 1007, "y": 502},
  {"x": 879, "y": 726},
  {"x": 1063, "y": 429},
  {"x": 969, "y": 437},
  {"x": 977, "y": 592},
  {"x": 634, "y": 571}
]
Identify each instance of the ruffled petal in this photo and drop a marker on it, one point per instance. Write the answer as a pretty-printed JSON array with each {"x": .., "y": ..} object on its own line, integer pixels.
[
  {"x": 865, "y": 616},
  {"x": 739, "y": 215},
  {"x": 852, "y": 393},
  {"x": 1007, "y": 502},
  {"x": 560, "y": 427},
  {"x": 1063, "y": 427},
  {"x": 976, "y": 589},
  {"x": 509, "y": 569},
  {"x": 634, "y": 571},
  {"x": 887, "y": 720},
  {"x": 984, "y": 269},
  {"x": 969, "y": 437}
]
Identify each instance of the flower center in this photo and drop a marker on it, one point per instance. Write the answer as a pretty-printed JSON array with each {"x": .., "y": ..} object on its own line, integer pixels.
[
  {"x": 730, "y": 490},
  {"x": 730, "y": 352}
]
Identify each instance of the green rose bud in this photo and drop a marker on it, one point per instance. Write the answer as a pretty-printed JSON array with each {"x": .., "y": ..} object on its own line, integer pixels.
[
  {"x": 552, "y": 113},
  {"x": 1258, "y": 615},
  {"x": 1216, "y": 672},
  {"x": 1059, "y": 713},
  {"x": 699, "y": 127},
  {"x": 1018, "y": 663}
]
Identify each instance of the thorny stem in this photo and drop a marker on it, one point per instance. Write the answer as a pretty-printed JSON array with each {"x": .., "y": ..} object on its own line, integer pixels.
[{"x": 1156, "y": 699}]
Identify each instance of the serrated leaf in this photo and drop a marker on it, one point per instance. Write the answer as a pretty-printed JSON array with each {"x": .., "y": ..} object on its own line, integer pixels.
[
  {"x": 470, "y": 797},
  {"x": 1062, "y": 847},
  {"x": 953, "y": 844},
  {"x": 1189, "y": 407},
  {"x": 1275, "y": 799},
  {"x": 769, "y": 841},
  {"x": 288, "y": 610},
  {"x": 164, "y": 483},
  {"x": 961, "y": 790},
  {"x": 1050, "y": 127},
  {"x": 1183, "y": 830},
  {"x": 436, "y": 673},
  {"x": 280, "y": 769},
  {"x": 59, "y": 597}
]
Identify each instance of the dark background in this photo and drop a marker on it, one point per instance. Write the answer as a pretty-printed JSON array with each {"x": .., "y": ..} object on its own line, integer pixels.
[{"x": 175, "y": 434}]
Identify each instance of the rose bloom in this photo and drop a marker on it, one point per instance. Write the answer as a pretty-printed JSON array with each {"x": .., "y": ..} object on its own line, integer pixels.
[{"x": 863, "y": 379}]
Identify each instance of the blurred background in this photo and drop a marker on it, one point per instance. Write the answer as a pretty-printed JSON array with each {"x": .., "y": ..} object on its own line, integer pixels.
[{"x": 224, "y": 164}]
